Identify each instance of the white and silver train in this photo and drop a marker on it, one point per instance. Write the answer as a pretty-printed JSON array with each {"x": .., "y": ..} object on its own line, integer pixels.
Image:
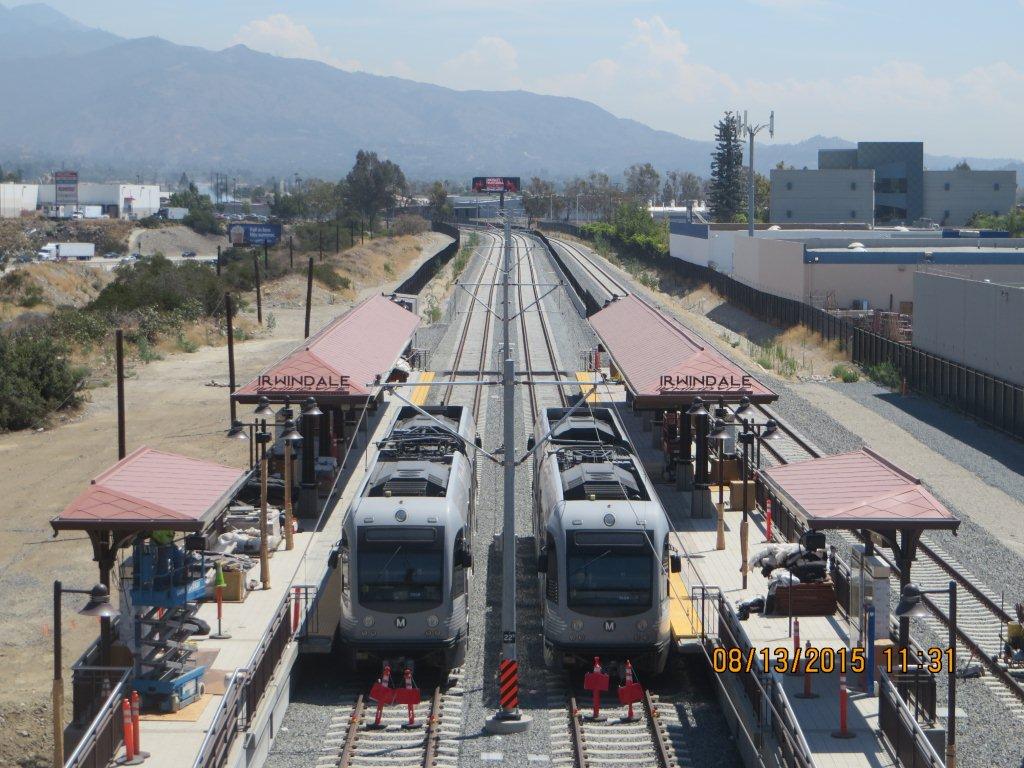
[
  {"x": 405, "y": 548},
  {"x": 604, "y": 554}
]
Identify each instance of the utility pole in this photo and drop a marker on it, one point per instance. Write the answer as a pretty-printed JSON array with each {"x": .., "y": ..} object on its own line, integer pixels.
[
  {"x": 752, "y": 131},
  {"x": 508, "y": 718}
]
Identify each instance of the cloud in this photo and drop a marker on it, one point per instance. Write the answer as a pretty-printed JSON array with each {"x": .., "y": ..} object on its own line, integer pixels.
[
  {"x": 279, "y": 35},
  {"x": 491, "y": 62},
  {"x": 791, "y": 5}
]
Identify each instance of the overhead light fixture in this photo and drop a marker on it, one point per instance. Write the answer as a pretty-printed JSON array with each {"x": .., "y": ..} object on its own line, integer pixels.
[
  {"x": 291, "y": 435},
  {"x": 237, "y": 431},
  {"x": 99, "y": 604},
  {"x": 263, "y": 410},
  {"x": 746, "y": 410},
  {"x": 697, "y": 409},
  {"x": 911, "y": 604},
  {"x": 310, "y": 408}
]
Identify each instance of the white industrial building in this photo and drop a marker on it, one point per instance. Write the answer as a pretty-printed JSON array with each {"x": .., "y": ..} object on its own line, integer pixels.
[
  {"x": 118, "y": 201},
  {"x": 17, "y": 198},
  {"x": 971, "y": 320}
]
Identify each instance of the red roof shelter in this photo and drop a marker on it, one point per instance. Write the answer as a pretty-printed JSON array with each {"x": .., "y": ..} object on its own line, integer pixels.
[
  {"x": 148, "y": 490},
  {"x": 152, "y": 490},
  {"x": 664, "y": 364},
  {"x": 859, "y": 491},
  {"x": 338, "y": 364}
]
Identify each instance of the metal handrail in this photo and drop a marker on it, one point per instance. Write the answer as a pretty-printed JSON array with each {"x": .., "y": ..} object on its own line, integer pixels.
[
  {"x": 921, "y": 743},
  {"x": 108, "y": 712},
  {"x": 785, "y": 716},
  {"x": 211, "y": 752}
]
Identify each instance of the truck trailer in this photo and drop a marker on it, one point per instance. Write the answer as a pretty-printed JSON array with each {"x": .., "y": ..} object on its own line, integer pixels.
[{"x": 65, "y": 251}]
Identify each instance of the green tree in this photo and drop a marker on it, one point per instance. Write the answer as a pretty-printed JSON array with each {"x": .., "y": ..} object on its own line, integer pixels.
[
  {"x": 200, "y": 210},
  {"x": 373, "y": 185},
  {"x": 1012, "y": 222},
  {"x": 963, "y": 165},
  {"x": 437, "y": 202},
  {"x": 540, "y": 199},
  {"x": 681, "y": 187},
  {"x": 725, "y": 194},
  {"x": 642, "y": 182},
  {"x": 289, "y": 207}
]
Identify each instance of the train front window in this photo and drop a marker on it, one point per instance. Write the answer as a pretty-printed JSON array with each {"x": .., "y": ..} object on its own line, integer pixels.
[
  {"x": 401, "y": 569},
  {"x": 609, "y": 574}
]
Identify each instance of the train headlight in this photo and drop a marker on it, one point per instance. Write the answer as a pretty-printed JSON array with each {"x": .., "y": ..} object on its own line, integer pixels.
[
  {"x": 577, "y": 625},
  {"x": 368, "y": 621},
  {"x": 432, "y": 620},
  {"x": 641, "y": 625}
]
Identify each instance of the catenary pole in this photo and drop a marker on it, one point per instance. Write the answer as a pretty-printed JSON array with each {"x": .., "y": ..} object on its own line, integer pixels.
[{"x": 508, "y": 718}]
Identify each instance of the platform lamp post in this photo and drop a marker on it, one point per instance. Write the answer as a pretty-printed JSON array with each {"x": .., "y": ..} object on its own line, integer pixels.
[
  {"x": 289, "y": 438},
  {"x": 99, "y": 606},
  {"x": 719, "y": 435},
  {"x": 308, "y": 496},
  {"x": 746, "y": 437},
  {"x": 912, "y": 606},
  {"x": 698, "y": 415}
]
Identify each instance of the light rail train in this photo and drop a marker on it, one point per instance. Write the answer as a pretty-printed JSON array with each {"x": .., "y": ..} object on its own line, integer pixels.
[
  {"x": 405, "y": 549},
  {"x": 604, "y": 553}
]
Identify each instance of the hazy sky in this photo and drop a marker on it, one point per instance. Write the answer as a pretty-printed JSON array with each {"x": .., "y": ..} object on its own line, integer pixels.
[{"x": 946, "y": 72}]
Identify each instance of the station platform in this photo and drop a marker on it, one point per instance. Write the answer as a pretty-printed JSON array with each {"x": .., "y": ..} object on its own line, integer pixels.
[
  {"x": 817, "y": 718},
  {"x": 709, "y": 570},
  {"x": 175, "y": 740}
]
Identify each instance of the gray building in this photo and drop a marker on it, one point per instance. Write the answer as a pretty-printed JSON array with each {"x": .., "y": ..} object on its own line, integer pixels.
[
  {"x": 824, "y": 196},
  {"x": 903, "y": 191},
  {"x": 971, "y": 321}
]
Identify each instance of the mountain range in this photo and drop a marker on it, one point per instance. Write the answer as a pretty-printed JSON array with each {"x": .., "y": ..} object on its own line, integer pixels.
[{"x": 86, "y": 98}]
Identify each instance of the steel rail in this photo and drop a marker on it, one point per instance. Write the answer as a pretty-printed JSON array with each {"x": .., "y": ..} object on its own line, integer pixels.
[
  {"x": 461, "y": 348},
  {"x": 597, "y": 273},
  {"x": 352, "y": 733},
  {"x": 433, "y": 735},
  {"x": 576, "y": 733},
  {"x": 527, "y": 353},
  {"x": 658, "y": 735}
]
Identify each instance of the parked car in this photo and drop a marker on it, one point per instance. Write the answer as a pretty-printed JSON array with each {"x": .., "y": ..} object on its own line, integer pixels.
[
  {"x": 188, "y": 254},
  {"x": 135, "y": 256},
  {"x": 111, "y": 255},
  {"x": 23, "y": 258}
]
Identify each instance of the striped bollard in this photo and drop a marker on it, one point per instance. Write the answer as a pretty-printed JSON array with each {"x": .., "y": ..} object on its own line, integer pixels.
[
  {"x": 508, "y": 685},
  {"x": 130, "y": 758},
  {"x": 844, "y": 732},
  {"x": 768, "y": 520},
  {"x": 807, "y": 693},
  {"x": 136, "y": 729}
]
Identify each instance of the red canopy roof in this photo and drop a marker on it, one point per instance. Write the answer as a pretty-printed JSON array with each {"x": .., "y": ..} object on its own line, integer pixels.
[
  {"x": 150, "y": 489},
  {"x": 857, "y": 490},
  {"x": 664, "y": 363},
  {"x": 342, "y": 358}
]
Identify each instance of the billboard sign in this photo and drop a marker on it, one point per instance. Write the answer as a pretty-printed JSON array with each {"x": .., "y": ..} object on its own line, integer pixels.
[
  {"x": 254, "y": 234},
  {"x": 65, "y": 188},
  {"x": 496, "y": 184}
]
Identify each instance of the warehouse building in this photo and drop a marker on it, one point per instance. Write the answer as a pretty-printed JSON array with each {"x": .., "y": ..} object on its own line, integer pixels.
[
  {"x": 118, "y": 201},
  {"x": 863, "y": 271},
  {"x": 967, "y": 320},
  {"x": 885, "y": 182},
  {"x": 17, "y": 198}
]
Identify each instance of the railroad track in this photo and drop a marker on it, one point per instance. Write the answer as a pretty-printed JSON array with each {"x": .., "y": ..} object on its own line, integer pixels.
[
  {"x": 981, "y": 618},
  {"x": 597, "y": 274},
  {"x": 653, "y": 739},
  {"x": 534, "y": 316},
  {"x": 352, "y": 743},
  {"x": 480, "y": 293}
]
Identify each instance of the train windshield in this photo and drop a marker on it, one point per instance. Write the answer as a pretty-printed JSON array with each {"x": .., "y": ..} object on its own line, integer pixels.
[
  {"x": 400, "y": 569},
  {"x": 609, "y": 574}
]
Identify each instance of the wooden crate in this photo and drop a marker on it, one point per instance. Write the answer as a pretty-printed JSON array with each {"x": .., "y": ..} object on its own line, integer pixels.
[{"x": 811, "y": 599}]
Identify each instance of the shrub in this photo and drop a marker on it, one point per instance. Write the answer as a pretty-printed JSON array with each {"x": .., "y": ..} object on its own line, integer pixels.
[
  {"x": 328, "y": 276},
  {"x": 32, "y": 296},
  {"x": 409, "y": 225},
  {"x": 35, "y": 379},
  {"x": 885, "y": 373},
  {"x": 187, "y": 345},
  {"x": 157, "y": 283},
  {"x": 845, "y": 373}
]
